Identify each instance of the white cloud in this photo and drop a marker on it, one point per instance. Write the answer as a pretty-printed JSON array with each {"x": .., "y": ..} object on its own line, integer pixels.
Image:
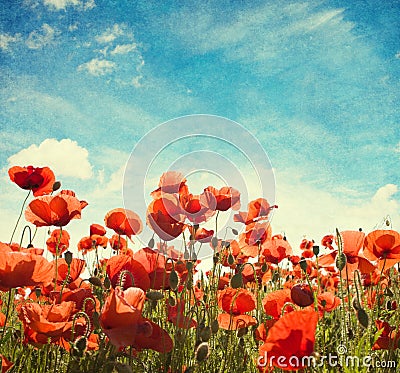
[
  {"x": 65, "y": 158},
  {"x": 58, "y": 5},
  {"x": 39, "y": 38},
  {"x": 98, "y": 67},
  {"x": 397, "y": 148},
  {"x": 124, "y": 48},
  {"x": 7, "y": 39},
  {"x": 110, "y": 34}
]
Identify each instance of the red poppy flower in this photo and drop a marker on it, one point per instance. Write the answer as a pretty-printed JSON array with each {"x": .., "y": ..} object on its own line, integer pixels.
[
  {"x": 383, "y": 246},
  {"x": 165, "y": 217},
  {"x": 302, "y": 295},
  {"x": 257, "y": 233},
  {"x": 19, "y": 269},
  {"x": 176, "y": 315},
  {"x": 56, "y": 210},
  {"x": 201, "y": 234},
  {"x": 290, "y": 339},
  {"x": 327, "y": 241},
  {"x": 87, "y": 244},
  {"x": 58, "y": 242},
  {"x": 76, "y": 268},
  {"x": 5, "y": 364},
  {"x": 51, "y": 321},
  {"x": 118, "y": 243},
  {"x": 274, "y": 302},
  {"x": 390, "y": 337},
  {"x": 258, "y": 209},
  {"x": 226, "y": 198},
  {"x": 235, "y": 303},
  {"x": 198, "y": 208},
  {"x": 124, "y": 222},
  {"x": 38, "y": 179},
  {"x": 124, "y": 265},
  {"x": 122, "y": 321},
  {"x": 97, "y": 229}
]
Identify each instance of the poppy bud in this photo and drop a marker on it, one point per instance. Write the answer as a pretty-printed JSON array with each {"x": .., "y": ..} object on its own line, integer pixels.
[
  {"x": 214, "y": 326},
  {"x": 123, "y": 368},
  {"x": 95, "y": 281},
  {"x": 38, "y": 292},
  {"x": 81, "y": 344},
  {"x": 303, "y": 265},
  {"x": 205, "y": 334},
  {"x": 173, "y": 280},
  {"x": 202, "y": 351},
  {"x": 56, "y": 186},
  {"x": 341, "y": 261},
  {"x": 215, "y": 259},
  {"x": 356, "y": 304},
  {"x": 151, "y": 243},
  {"x": 235, "y": 232},
  {"x": 237, "y": 280},
  {"x": 154, "y": 295},
  {"x": 264, "y": 267},
  {"x": 241, "y": 332},
  {"x": 107, "y": 282},
  {"x": 214, "y": 242},
  {"x": 315, "y": 250},
  {"x": 231, "y": 259},
  {"x": 189, "y": 266},
  {"x": 302, "y": 295},
  {"x": 362, "y": 317},
  {"x": 172, "y": 301},
  {"x": 68, "y": 257}
]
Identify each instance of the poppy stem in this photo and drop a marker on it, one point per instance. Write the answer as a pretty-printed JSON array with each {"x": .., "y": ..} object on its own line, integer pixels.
[
  {"x": 20, "y": 215},
  {"x": 56, "y": 261},
  {"x": 7, "y": 313}
]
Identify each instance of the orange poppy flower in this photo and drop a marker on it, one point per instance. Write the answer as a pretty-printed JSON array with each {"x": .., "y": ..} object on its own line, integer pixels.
[
  {"x": 226, "y": 198},
  {"x": 383, "y": 246},
  {"x": 125, "y": 222},
  {"x": 327, "y": 241},
  {"x": 170, "y": 182},
  {"x": 176, "y": 315},
  {"x": 15, "y": 247},
  {"x": 122, "y": 321},
  {"x": 290, "y": 339},
  {"x": 118, "y": 243},
  {"x": 38, "y": 179},
  {"x": 165, "y": 217},
  {"x": 50, "y": 321},
  {"x": 258, "y": 209},
  {"x": 19, "y": 269},
  {"x": 275, "y": 250},
  {"x": 119, "y": 263},
  {"x": 235, "y": 303},
  {"x": 87, "y": 244},
  {"x": 58, "y": 242},
  {"x": 56, "y": 210},
  {"x": 77, "y": 266},
  {"x": 274, "y": 302},
  {"x": 201, "y": 234}
]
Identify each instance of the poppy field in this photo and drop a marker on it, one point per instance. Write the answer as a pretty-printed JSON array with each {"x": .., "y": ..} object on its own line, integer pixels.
[{"x": 264, "y": 304}]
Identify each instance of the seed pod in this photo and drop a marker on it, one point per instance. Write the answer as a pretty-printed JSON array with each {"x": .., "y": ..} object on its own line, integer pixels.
[
  {"x": 189, "y": 266},
  {"x": 123, "y": 368},
  {"x": 38, "y": 292},
  {"x": 202, "y": 352},
  {"x": 341, "y": 261},
  {"x": 362, "y": 317},
  {"x": 214, "y": 326},
  {"x": 96, "y": 282},
  {"x": 315, "y": 250},
  {"x": 205, "y": 334},
  {"x": 264, "y": 267},
  {"x": 214, "y": 242},
  {"x": 235, "y": 232},
  {"x": 154, "y": 295},
  {"x": 215, "y": 259},
  {"x": 151, "y": 243},
  {"x": 68, "y": 257},
  {"x": 231, "y": 259},
  {"x": 237, "y": 280},
  {"x": 81, "y": 344},
  {"x": 173, "y": 280},
  {"x": 356, "y": 304}
]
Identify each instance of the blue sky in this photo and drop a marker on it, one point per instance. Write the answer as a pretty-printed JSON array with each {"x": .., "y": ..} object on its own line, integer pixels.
[{"x": 315, "y": 82}]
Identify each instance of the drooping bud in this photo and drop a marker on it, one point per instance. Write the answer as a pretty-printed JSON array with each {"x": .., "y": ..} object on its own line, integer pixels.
[{"x": 202, "y": 352}]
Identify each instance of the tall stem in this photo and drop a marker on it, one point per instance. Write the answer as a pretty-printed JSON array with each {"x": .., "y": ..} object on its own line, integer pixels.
[{"x": 19, "y": 217}]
